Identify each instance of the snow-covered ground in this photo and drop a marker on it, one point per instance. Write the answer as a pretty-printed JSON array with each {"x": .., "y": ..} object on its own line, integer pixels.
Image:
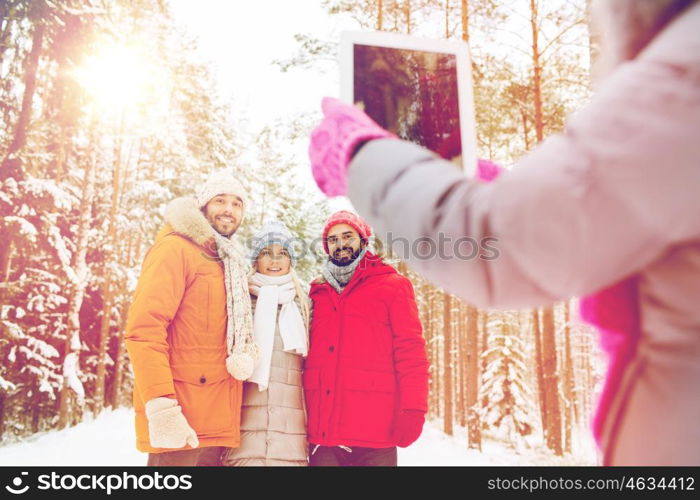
[{"x": 109, "y": 441}]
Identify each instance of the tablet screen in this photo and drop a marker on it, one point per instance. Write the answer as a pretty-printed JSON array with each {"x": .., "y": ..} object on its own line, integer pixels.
[{"x": 411, "y": 93}]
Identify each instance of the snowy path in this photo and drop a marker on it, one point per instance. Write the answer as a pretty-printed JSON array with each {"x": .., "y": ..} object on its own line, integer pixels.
[{"x": 109, "y": 441}]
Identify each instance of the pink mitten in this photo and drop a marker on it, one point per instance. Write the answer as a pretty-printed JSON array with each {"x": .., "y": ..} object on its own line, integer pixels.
[
  {"x": 487, "y": 170},
  {"x": 333, "y": 142}
]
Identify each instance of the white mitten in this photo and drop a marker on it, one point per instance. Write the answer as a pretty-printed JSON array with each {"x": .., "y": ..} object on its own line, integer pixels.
[{"x": 167, "y": 426}]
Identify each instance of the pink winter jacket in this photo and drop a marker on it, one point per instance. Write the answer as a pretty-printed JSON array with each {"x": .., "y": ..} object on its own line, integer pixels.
[{"x": 614, "y": 197}]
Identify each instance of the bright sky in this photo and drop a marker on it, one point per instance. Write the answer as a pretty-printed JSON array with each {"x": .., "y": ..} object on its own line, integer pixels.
[{"x": 243, "y": 38}]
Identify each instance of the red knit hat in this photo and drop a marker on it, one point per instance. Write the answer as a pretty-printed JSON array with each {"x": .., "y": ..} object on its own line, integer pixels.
[{"x": 349, "y": 218}]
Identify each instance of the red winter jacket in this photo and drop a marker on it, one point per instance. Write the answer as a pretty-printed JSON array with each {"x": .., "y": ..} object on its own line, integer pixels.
[{"x": 367, "y": 358}]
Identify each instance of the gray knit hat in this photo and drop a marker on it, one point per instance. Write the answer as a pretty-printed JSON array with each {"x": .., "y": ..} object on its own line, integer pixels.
[{"x": 272, "y": 232}]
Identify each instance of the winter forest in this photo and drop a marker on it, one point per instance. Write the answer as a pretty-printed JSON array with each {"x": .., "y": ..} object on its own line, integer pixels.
[{"x": 109, "y": 111}]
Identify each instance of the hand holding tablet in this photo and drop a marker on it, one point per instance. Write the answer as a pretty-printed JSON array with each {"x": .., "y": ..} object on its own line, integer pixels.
[
  {"x": 410, "y": 88},
  {"x": 334, "y": 141},
  {"x": 418, "y": 89}
]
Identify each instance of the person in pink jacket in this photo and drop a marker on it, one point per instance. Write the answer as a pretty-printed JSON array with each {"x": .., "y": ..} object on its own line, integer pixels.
[
  {"x": 607, "y": 209},
  {"x": 366, "y": 375}
]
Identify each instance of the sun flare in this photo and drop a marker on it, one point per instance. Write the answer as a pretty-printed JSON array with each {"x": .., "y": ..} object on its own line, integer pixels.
[{"x": 115, "y": 76}]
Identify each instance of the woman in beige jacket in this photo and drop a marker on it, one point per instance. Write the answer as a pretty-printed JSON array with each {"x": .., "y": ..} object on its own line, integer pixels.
[{"x": 273, "y": 418}]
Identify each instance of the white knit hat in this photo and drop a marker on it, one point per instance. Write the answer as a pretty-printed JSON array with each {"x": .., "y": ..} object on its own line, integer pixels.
[{"x": 220, "y": 182}]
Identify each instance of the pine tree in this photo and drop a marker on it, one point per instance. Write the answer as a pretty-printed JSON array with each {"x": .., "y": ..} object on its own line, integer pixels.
[{"x": 505, "y": 393}]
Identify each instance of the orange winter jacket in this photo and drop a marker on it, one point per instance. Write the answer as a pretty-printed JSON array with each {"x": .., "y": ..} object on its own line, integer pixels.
[{"x": 176, "y": 331}]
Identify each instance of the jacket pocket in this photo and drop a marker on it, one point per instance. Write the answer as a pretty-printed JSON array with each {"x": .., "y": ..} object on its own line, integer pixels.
[
  {"x": 369, "y": 404},
  {"x": 207, "y": 397}
]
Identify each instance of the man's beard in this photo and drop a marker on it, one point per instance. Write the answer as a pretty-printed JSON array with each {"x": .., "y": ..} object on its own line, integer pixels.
[
  {"x": 223, "y": 233},
  {"x": 348, "y": 259}
]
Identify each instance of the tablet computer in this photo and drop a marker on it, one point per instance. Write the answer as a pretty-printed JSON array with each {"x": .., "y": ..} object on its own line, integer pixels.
[{"x": 417, "y": 88}]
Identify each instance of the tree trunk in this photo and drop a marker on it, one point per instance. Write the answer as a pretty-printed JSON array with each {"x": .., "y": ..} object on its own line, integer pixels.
[
  {"x": 589, "y": 378},
  {"x": 108, "y": 285},
  {"x": 77, "y": 287},
  {"x": 593, "y": 38},
  {"x": 465, "y": 20},
  {"x": 430, "y": 347},
  {"x": 568, "y": 383},
  {"x": 447, "y": 18},
  {"x": 2, "y": 414},
  {"x": 6, "y": 253},
  {"x": 133, "y": 257},
  {"x": 461, "y": 365},
  {"x": 537, "y": 71},
  {"x": 99, "y": 401},
  {"x": 407, "y": 14},
  {"x": 66, "y": 48},
  {"x": 20, "y": 135},
  {"x": 380, "y": 15},
  {"x": 115, "y": 394},
  {"x": 36, "y": 414},
  {"x": 472, "y": 348},
  {"x": 447, "y": 356},
  {"x": 526, "y": 129},
  {"x": 484, "y": 340},
  {"x": 6, "y": 18},
  {"x": 437, "y": 359},
  {"x": 551, "y": 382},
  {"x": 538, "y": 367},
  {"x": 402, "y": 268},
  {"x": 12, "y": 166}
]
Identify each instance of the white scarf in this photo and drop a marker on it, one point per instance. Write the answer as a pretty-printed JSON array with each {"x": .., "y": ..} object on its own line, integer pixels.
[{"x": 271, "y": 291}]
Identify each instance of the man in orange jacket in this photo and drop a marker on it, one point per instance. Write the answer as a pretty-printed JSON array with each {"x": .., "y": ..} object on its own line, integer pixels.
[{"x": 188, "y": 327}]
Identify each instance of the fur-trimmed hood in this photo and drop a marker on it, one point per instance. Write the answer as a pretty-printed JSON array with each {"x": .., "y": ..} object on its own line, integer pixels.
[
  {"x": 186, "y": 219},
  {"x": 183, "y": 217}
]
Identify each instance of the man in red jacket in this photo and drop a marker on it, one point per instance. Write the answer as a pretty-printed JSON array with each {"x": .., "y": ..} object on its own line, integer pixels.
[{"x": 366, "y": 375}]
